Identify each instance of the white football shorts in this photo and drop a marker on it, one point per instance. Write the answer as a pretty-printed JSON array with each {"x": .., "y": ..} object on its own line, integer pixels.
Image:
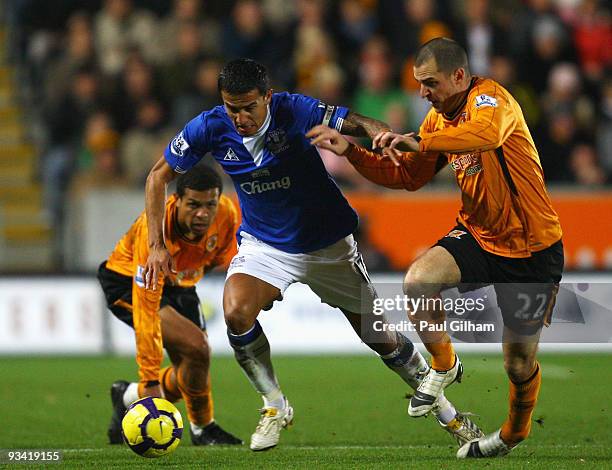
[{"x": 336, "y": 274}]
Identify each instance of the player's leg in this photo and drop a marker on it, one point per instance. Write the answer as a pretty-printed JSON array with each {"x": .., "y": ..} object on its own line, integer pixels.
[
  {"x": 425, "y": 279},
  {"x": 396, "y": 351},
  {"x": 525, "y": 379},
  {"x": 118, "y": 293},
  {"x": 400, "y": 355},
  {"x": 244, "y": 297},
  {"x": 339, "y": 277},
  {"x": 526, "y": 306},
  {"x": 187, "y": 346}
]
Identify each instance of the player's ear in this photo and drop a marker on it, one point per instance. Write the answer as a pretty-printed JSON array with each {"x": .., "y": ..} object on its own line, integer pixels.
[
  {"x": 268, "y": 96},
  {"x": 459, "y": 74}
]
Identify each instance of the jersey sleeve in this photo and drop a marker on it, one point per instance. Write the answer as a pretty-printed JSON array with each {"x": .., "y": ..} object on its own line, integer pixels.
[
  {"x": 147, "y": 324},
  {"x": 227, "y": 242},
  {"x": 189, "y": 146},
  {"x": 491, "y": 123},
  {"x": 310, "y": 112},
  {"x": 414, "y": 171}
]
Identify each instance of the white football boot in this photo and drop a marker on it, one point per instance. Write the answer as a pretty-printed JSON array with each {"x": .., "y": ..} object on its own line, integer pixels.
[
  {"x": 488, "y": 446},
  {"x": 432, "y": 386},
  {"x": 272, "y": 421},
  {"x": 463, "y": 429}
]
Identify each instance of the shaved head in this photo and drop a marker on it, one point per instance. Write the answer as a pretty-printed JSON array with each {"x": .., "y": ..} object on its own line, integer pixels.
[{"x": 447, "y": 54}]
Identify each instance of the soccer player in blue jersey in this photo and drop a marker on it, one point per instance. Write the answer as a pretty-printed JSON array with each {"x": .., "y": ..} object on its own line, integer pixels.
[{"x": 296, "y": 227}]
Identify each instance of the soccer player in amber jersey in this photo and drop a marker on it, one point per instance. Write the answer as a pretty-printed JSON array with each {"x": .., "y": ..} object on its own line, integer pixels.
[
  {"x": 199, "y": 228},
  {"x": 507, "y": 232}
]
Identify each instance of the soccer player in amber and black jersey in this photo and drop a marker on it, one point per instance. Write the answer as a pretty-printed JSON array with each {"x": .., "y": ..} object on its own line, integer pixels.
[{"x": 507, "y": 232}]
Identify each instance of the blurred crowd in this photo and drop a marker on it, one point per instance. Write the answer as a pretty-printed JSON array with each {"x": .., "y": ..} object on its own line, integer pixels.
[{"x": 111, "y": 81}]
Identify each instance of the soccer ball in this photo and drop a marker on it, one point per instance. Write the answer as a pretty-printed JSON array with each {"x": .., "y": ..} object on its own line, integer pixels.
[{"x": 152, "y": 427}]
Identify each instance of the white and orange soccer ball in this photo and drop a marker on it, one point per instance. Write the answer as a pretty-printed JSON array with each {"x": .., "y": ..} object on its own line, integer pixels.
[{"x": 152, "y": 427}]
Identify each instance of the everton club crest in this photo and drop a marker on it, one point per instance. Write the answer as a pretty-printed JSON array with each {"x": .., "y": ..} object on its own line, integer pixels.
[{"x": 276, "y": 141}]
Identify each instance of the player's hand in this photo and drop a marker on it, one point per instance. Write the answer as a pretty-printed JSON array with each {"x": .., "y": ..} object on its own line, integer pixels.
[
  {"x": 159, "y": 261},
  {"x": 153, "y": 391},
  {"x": 396, "y": 142},
  {"x": 380, "y": 142},
  {"x": 327, "y": 138}
]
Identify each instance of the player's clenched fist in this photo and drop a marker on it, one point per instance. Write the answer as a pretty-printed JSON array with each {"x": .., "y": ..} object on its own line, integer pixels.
[{"x": 159, "y": 261}]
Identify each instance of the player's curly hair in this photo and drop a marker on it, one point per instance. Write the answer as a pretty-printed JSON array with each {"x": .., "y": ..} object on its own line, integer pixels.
[
  {"x": 448, "y": 54},
  {"x": 199, "y": 178},
  {"x": 243, "y": 75}
]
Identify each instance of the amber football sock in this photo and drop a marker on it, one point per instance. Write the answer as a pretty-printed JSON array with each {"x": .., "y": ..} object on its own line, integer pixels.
[
  {"x": 199, "y": 403},
  {"x": 167, "y": 379},
  {"x": 442, "y": 355},
  {"x": 523, "y": 398}
]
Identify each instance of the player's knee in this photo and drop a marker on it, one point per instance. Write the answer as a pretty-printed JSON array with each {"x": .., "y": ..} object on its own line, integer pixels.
[
  {"x": 239, "y": 316},
  {"x": 519, "y": 368},
  {"x": 418, "y": 281}
]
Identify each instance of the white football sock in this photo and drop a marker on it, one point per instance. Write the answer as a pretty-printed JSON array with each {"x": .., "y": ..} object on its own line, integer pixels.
[
  {"x": 131, "y": 394},
  {"x": 252, "y": 351},
  {"x": 196, "y": 429},
  {"x": 445, "y": 411},
  {"x": 274, "y": 399}
]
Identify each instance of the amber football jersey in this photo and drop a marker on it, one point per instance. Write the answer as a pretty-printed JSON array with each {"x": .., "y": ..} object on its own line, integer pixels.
[
  {"x": 505, "y": 205},
  {"x": 191, "y": 261}
]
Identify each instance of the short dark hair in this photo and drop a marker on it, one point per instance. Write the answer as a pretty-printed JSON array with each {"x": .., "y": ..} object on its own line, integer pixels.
[
  {"x": 243, "y": 75},
  {"x": 199, "y": 178},
  {"x": 448, "y": 54}
]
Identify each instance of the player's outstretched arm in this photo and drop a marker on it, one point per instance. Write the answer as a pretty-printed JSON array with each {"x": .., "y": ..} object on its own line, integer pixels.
[
  {"x": 159, "y": 260},
  {"x": 357, "y": 125}
]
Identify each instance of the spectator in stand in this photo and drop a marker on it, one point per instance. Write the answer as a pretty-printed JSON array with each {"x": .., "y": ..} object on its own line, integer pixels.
[
  {"x": 592, "y": 32},
  {"x": 201, "y": 94},
  {"x": 104, "y": 169},
  {"x": 565, "y": 92},
  {"x": 377, "y": 90},
  {"x": 503, "y": 71},
  {"x": 314, "y": 51},
  {"x": 64, "y": 122},
  {"x": 480, "y": 35},
  {"x": 137, "y": 84},
  {"x": 186, "y": 11},
  {"x": 549, "y": 44},
  {"x": 356, "y": 24},
  {"x": 118, "y": 28},
  {"x": 555, "y": 140},
  {"x": 176, "y": 77},
  {"x": 585, "y": 166},
  {"x": 246, "y": 34},
  {"x": 604, "y": 129},
  {"x": 141, "y": 141},
  {"x": 77, "y": 52}
]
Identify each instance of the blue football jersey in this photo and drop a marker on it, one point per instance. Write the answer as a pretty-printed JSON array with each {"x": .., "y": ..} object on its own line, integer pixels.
[{"x": 287, "y": 198}]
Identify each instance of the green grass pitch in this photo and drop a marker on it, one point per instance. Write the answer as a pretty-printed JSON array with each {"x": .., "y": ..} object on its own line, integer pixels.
[{"x": 350, "y": 412}]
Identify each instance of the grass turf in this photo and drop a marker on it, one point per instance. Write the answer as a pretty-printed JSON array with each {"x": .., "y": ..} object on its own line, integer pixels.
[{"x": 350, "y": 413}]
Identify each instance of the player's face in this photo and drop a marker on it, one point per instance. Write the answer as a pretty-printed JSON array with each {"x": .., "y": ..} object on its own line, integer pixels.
[
  {"x": 437, "y": 87},
  {"x": 247, "y": 111},
  {"x": 196, "y": 211}
]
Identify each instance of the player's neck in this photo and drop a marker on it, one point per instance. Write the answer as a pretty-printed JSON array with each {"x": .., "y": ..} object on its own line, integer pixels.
[{"x": 455, "y": 103}]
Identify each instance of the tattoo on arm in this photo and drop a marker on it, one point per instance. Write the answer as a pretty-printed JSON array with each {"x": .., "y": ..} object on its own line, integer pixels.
[{"x": 357, "y": 125}]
